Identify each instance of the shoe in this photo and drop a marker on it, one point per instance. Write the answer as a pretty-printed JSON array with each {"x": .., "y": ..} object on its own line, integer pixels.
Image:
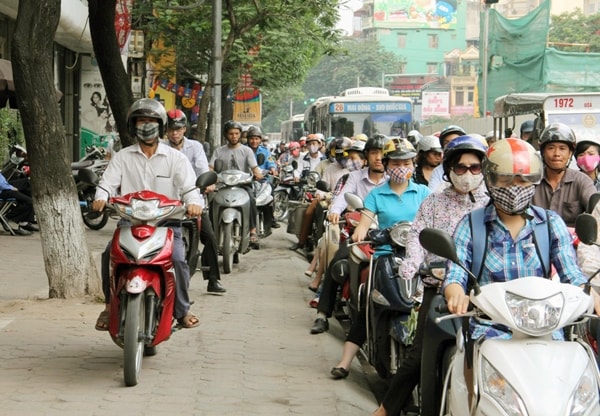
[
  {"x": 21, "y": 231},
  {"x": 296, "y": 246},
  {"x": 275, "y": 225},
  {"x": 29, "y": 227},
  {"x": 319, "y": 326},
  {"x": 314, "y": 302},
  {"x": 313, "y": 289},
  {"x": 339, "y": 373},
  {"x": 215, "y": 287}
]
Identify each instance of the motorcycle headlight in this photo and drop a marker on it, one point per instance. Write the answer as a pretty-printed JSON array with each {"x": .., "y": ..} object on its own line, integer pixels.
[
  {"x": 145, "y": 210},
  {"x": 585, "y": 394},
  {"x": 496, "y": 386},
  {"x": 312, "y": 178},
  {"x": 399, "y": 233},
  {"x": 535, "y": 316},
  {"x": 230, "y": 179}
]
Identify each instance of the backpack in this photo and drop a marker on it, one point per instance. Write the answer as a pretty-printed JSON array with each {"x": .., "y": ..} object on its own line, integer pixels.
[{"x": 479, "y": 236}]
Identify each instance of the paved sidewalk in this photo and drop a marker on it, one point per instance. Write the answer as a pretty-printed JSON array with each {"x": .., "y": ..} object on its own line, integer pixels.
[{"x": 251, "y": 355}]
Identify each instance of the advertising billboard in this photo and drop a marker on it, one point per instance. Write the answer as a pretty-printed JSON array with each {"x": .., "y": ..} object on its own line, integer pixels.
[{"x": 414, "y": 13}]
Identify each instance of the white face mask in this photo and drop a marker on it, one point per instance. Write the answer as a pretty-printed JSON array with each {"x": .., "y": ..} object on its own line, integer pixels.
[
  {"x": 313, "y": 148},
  {"x": 466, "y": 182}
]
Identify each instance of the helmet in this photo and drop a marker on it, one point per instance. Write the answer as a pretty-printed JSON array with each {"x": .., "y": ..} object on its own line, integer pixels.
[
  {"x": 361, "y": 137},
  {"x": 176, "y": 119},
  {"x": 583, "y": 144},
  {"x": 357, "y": 146},
  {"x": 254, "y": 131},
  {"x": 509, "y": 157},
  {"x": 293, "y": 146},
  {"x": 493, "y": 135},
  {"x": 451, "y": 130},
  {"x": 229, "y": 125},
  {"x": 398, "y": 148},
  {"x": 302, "y": 140},
  {"x": 469, "y": 143},
  {"x": 558, "y": 132},
  {"x": 146, "y": 107},
  {"x": 527, "y": 126},
  {"x": 314, "y": 137},
  {"x": 428, "y": 143},
  {"x": 376, "y": 142},
  {"x": 339, "y": 147},
  {"x": 414, "y": 137}
]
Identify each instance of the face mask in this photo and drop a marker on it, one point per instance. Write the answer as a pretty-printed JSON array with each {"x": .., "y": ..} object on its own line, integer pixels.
[
  {"x": 354, "y": 164},
  {"x": 146, "y": 131},
  {"x": 400, "y": 174},
  {"x": 313, "y": 148},
  {"x": 513, "y": 200},
  {"x": 588, "y": 163},
  {"x": 466, "y": 182}
]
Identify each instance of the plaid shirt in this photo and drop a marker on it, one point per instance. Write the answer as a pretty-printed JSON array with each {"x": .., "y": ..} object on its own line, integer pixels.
[{"x": 508, "y": 259}]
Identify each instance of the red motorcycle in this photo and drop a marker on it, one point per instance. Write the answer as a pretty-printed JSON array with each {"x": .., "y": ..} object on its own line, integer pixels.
[{"x": 142, "y": 278}]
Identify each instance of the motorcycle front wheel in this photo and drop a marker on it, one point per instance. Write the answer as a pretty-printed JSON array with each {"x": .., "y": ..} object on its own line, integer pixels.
[
  {"x": 134, "y": 339},
  {"x": 228, "y": 250},
  {"x": 93, "y": 221},
  {"x": 280, "y": 205}
]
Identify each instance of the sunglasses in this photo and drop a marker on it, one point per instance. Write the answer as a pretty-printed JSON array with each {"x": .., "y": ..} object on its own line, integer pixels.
[{"x": 462, "y": 169}]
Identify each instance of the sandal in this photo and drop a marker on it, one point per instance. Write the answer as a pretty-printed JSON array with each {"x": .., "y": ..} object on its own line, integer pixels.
[
  {"x": 103, "y": 321},
  {"x": 253, "y": 238},
  {"x": 189, "y": 321}
]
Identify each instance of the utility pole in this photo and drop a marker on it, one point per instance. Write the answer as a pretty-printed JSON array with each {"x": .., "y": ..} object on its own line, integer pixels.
[{"x": 215, "y": 102}]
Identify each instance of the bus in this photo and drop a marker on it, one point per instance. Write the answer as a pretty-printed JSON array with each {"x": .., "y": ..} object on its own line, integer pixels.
[
  {"x": 360, "y": 110},
  {"x": 292, "y": 129},
  {"x": 578, "y": 110}
]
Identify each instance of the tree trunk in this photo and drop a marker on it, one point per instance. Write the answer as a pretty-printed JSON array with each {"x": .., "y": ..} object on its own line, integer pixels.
[
  {"x": 69, "y": 264},
  {"x": 106, "y": 50}
]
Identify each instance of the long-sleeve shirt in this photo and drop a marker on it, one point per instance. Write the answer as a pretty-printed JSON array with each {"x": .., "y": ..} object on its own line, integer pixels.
[
  {"x": 508, "y": 258},
  {"x": 194, "y": 151},
  {"x": 358, "y": 183},
  {"x": 167, "y": 171},
  {"x": 4, "y": 185}
]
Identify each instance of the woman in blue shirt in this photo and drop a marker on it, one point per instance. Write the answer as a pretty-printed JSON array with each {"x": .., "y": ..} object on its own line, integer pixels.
[{"x": 397, "y": 200}]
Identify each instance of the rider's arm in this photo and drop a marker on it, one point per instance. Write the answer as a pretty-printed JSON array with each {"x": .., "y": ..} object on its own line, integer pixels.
[{"x": 562, "y": 252}]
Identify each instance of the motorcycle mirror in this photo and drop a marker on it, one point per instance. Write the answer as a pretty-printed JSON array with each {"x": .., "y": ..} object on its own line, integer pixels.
[
  {"x": 323, "y": 186},
  {"x": 586, "y": 228},
  {"x": 441, "y": 244},
  {"x": 219, "y": 165},
  {"x": 294, "y": 164},
  {"x": 206, "y": 179},
  {"x": 260, "y": 159},
  {"x": 87, "y": 176},
  {"x": 593, "y": 201},
  {"x": 354, "y": 201}
]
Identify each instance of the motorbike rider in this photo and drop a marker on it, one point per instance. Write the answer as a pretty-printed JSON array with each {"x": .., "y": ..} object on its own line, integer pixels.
[
  {"x": 153, "y": 165},
  {"x": 446, "y": 136},
  {"x": 429, "y": 157},
  {"x": 441, "y": 210},
  {"x": 313, "y": 156},
  {"x": 414, "y": 137},
  {"x": 359, "y": 182},
  {"x": 194, "y": 151},
  {"x": 511, "y": 170},
  {"x": 254, "y": 143},
  {"x": 396, "y": 200},
  {"x": 587, "y": 156},
  {"x": 236, "y": 156},
  {"x": 563, "y": 190}
]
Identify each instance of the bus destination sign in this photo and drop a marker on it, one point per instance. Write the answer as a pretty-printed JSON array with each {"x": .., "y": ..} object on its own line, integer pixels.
[{"x": 370, "y": 107}]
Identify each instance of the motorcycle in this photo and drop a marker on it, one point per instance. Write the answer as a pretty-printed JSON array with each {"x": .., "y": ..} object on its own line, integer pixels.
[
  {"x": 287, "y": 189},
  {"x": 296, "y": 209},
  {"x": 264, "y": 209},
  {"x": 93, "y": 160},
  {"x": 16, "y": 166},
  {"x": 530, "y": 373},
  {"x": 142, "y": 276},
  {"x": 230, "y": 213}
]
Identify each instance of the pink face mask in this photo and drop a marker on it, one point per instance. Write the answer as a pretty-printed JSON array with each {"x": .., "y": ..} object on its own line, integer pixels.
[{"x": 588, "y": 163}]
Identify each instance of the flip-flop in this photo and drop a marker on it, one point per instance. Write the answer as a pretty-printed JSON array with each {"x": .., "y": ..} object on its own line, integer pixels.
[
  {"x": 188, "y": 321},
  {"x": 103, "y": 321},
  {"x": 253, "y": 238}
]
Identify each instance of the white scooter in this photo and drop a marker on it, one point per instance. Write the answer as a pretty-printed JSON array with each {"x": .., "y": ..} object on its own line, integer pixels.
[{"x": 529, "y": 374}]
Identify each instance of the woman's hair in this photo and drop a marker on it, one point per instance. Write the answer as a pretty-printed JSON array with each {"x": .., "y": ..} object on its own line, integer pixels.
[{"x": 96, "y": 94}]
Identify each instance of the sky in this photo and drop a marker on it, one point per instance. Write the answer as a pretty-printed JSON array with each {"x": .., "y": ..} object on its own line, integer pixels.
[{"x": 346, "y": 13}]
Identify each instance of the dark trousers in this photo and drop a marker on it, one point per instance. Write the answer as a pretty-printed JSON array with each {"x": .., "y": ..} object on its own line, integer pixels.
[
  {"x": 23, "y": 212},
  {"x": 330, "y": 286},
  {"x": 210, "y": 251},
  {"x": 407, "y": 377}
]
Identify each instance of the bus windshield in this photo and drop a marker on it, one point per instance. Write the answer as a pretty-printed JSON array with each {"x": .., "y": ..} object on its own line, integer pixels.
[{"x": 390, "y": 124}]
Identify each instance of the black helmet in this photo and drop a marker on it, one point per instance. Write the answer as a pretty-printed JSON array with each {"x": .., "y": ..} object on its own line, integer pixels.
[
  {"x": 452, "y": 129},
  {"x": 176, "y": 119},
  {"x": 146, "y": 107},
  {"x": 254, "y": 131},
  {"x": 231, "y": 124},
  {"x": 558, "y": 132},
  {"x": 376, "y": 142}
]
